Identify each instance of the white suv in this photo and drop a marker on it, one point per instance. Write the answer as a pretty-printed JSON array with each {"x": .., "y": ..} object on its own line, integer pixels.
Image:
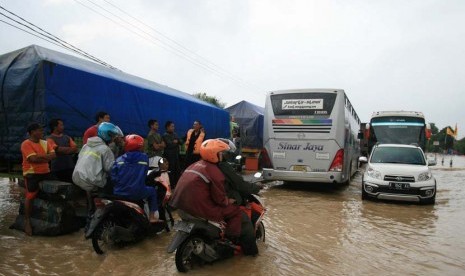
[{"x": 399, "y": 172}]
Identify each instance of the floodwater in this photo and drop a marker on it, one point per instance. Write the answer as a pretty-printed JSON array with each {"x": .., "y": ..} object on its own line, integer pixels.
[{"x": 311, "y": 229}]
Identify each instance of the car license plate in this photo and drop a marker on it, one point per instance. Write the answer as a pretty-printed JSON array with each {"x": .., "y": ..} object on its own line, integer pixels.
[
  {"x": 399, "y": 186},
  {"x": 183, "y": 226},
  {"x": 300, "y": 168}
]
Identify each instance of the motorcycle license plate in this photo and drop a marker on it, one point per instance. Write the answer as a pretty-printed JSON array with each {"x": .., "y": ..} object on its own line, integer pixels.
[{"x": 183, "y": 226}]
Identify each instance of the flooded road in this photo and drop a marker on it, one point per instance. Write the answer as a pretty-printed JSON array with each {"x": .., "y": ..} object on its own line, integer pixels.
[{"x": 311, "y": 229}]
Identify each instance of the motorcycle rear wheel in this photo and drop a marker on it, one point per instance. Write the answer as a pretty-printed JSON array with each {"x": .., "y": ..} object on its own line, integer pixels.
[
  {"x": 260, "y": 233},
  {"x": 101, "y": 240},
  {"x": 186, "y": 257}
]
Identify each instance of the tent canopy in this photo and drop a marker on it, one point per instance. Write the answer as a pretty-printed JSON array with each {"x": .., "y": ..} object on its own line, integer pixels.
[
  {"x": 250, "y": 120},
  {"x": 38, "y": 84}
]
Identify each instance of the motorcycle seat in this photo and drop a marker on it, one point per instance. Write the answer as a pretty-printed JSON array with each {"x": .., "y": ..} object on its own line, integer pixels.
[
  {"x": 186, "y": 216},
  {"x": 116, "y": 197}
]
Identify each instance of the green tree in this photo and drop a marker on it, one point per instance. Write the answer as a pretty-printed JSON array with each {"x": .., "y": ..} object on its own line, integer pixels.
[
  {"x": 434, "y": 137},
  {"x": 210, "y": 99},
  {"x": 445, "y": 141},
  {"x": 434, "y": 128},
  {"x": 460, "y": 146}
]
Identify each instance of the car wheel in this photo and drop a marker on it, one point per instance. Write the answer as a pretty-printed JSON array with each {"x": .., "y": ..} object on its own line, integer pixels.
[{"x": 364, "y": 194}]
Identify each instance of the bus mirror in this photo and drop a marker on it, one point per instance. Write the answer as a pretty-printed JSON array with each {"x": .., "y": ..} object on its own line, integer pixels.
[
  {"x": 366, "y": 134},
  {"x": 428, "y": 131}
]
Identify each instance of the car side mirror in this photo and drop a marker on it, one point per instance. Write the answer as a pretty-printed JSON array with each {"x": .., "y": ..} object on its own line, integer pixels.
[
  {"x": 363, "y": 159},
  {"x": 432, "y": 162}
]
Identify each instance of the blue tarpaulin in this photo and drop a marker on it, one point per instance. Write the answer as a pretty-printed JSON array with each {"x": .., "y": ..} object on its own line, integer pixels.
[
  {"x": 250, "y": 120},
  {"x": 38, "y": 84}
]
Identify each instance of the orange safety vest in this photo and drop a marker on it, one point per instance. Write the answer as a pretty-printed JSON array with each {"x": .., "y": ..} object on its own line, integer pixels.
[{"x": 198, "y": 142}]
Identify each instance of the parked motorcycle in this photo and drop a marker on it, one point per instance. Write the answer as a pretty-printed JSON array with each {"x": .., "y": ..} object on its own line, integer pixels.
[
  {"x": 198, "y": 241},
  {"x": 117, "y": 221}
]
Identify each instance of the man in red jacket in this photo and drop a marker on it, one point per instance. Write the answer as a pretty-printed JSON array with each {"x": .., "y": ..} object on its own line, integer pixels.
[
  {"x": 200, "y": 190},
  {"x": 100, "y": 117}
]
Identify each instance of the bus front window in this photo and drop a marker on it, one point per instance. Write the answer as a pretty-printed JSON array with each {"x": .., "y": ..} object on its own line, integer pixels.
[{"x": 389, "y": 134}]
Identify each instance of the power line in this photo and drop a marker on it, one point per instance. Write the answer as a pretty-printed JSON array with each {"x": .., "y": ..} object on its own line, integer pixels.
[
  {"x": 52, "y": 37},
  {"x": 176, "y": 43},
  {"x": 205, "y": 64},
  {"x": 29, "y": 32},
  {"x": 183, "y": 53},
  {"x": 159, "y": 42}
]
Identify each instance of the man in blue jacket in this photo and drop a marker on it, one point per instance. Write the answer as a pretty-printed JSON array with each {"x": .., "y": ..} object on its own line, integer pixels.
[{"x": 129, "y": 172}]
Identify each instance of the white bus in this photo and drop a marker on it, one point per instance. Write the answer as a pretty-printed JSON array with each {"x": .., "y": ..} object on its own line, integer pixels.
[
  {"x": 397, "y": 127},
  {"x": 311, "y": 135}
]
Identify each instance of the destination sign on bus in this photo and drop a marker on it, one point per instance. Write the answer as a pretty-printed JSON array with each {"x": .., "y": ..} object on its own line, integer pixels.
[{"x": 302, "y": 104}]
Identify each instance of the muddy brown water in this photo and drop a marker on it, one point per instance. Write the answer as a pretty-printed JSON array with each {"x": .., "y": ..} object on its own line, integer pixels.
[{"x": 312, "y": 229}]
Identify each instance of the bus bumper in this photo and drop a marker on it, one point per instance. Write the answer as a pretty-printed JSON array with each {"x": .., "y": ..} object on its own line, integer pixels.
[{"x": 300, "y": 176}]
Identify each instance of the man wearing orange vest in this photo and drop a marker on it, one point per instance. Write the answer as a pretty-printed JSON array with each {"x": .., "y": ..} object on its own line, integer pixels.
[
  {"x": 195, "y": 137},
  {"x": 37, "y": 153}
]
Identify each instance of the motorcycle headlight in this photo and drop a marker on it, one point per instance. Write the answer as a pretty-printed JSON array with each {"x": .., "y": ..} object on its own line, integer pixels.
[
  {"x": 373, "y": 173},
  {"x": 425, "y": 176}
]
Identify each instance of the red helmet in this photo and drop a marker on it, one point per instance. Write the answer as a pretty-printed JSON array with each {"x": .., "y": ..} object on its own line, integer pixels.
[
  {"x": 134, "y": 142},
  {"x": 210, "y": 148}
]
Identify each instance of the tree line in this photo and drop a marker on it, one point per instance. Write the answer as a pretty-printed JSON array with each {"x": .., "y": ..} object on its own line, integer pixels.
[{"x": 446, "y": 142}]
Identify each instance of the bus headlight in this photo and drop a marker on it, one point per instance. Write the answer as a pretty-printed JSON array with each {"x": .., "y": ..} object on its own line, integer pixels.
[
  {"x": 373, "y": 173},
  {"x": 425, "y": 176}
]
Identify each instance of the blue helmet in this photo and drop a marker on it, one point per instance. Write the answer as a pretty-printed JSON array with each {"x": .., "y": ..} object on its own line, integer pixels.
[{"x": 107, "y": 131}]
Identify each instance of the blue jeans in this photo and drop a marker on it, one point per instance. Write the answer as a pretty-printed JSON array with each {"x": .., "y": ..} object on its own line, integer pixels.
[{"x": 150, "y": 194}]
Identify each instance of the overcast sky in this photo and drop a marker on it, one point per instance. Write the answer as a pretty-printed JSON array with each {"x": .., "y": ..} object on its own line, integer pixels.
[{"x": 386, "y": 55}]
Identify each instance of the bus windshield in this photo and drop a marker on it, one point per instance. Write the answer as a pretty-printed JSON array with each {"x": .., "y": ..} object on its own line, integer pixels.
[
  {"x": 398, "y": 130},
  {"x": 303, "y": 104}
]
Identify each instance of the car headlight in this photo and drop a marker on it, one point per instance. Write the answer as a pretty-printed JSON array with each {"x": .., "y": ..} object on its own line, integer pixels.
[
  {"x": 373, "y": 173},
  {"x": 425, "y": 176}
]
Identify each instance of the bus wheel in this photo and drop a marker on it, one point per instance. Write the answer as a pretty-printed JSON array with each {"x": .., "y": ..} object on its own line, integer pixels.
[{"x": 349, "y": 176}]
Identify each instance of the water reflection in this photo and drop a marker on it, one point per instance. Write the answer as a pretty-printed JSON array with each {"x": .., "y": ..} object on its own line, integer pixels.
[
  {"x": 310, "y": 229},
  {"x": 402, "y": 215},
  {"x": 311, "y": 217}
]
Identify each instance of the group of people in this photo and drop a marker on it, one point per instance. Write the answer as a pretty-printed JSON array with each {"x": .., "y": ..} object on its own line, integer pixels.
[
  {"x": 208, "y": 187},
  {"x": 168, "y": 146}
]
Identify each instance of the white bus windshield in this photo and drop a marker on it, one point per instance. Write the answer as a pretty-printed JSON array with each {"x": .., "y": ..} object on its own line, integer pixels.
[{"x": 398, "y": 130}]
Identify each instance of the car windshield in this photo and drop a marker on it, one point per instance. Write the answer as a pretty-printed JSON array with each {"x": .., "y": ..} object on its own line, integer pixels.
[{"x": 398, "y": 155}]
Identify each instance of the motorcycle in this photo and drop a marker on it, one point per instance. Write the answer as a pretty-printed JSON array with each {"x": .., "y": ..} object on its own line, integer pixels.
[
  {"x": 198, "y": 241},
  {"x": 117, "y": 221},
  {"x": 236, "y": 163}
]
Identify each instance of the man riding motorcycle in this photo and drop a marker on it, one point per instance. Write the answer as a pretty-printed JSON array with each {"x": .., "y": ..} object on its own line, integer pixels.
[
  {"x": 236, "y": 187},
  {"x": 201, "y": 192},
  {"x": 129, "y": 173}
]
